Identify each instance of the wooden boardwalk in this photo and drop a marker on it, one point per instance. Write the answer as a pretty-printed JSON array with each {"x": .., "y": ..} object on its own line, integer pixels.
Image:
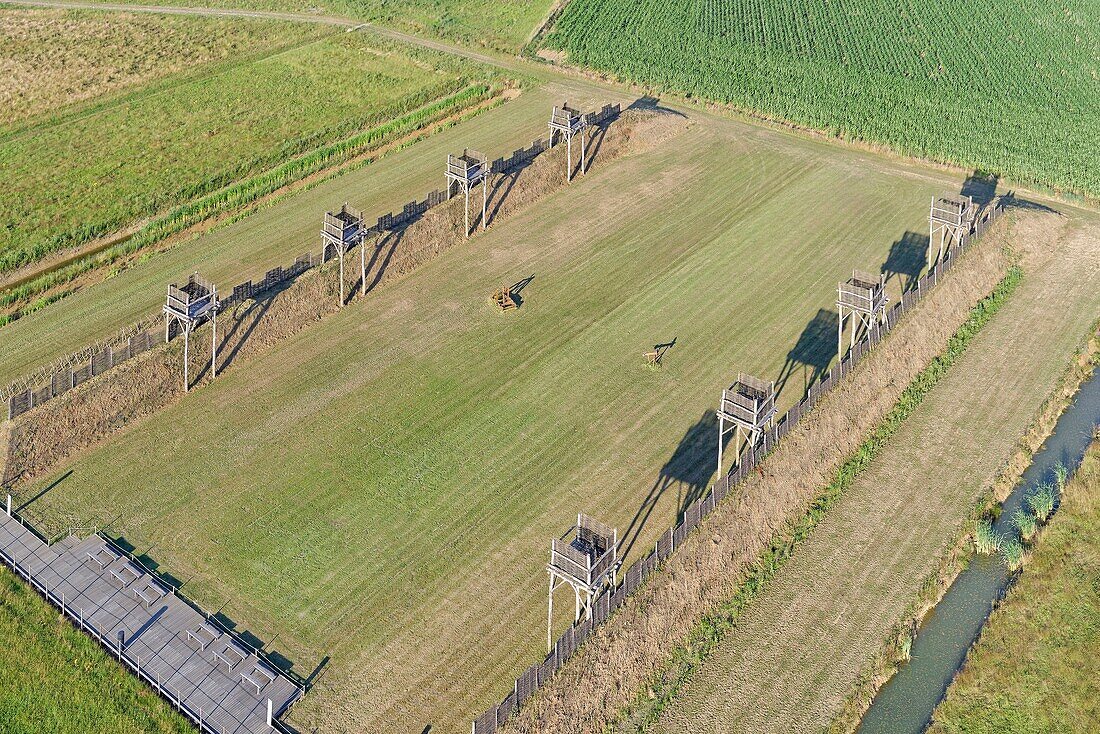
[{"x": 208, "y": 674}]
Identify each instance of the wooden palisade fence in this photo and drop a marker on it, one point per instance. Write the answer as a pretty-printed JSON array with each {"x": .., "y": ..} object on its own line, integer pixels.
[{"x": 538, "y": 674}]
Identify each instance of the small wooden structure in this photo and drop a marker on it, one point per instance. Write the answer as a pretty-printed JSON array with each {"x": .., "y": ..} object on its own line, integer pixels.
[
  {"x": 862, "y": 301},
  {"x": 748, "y": 406},
  {"x": 504, "y": 299},
  {"x": 188, "y": 306},
  {"x": 567, "y": 122},
  {"x": 340, "y": 231},
  {"x": 950, "y": 218},
  {"x": 653, "y": 358},
  {"x": 465, "y": 172},
  {"x": 588, "y": 562}
]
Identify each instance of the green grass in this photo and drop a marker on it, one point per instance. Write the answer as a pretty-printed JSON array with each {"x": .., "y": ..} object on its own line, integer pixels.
[
  {"x": 94, "y": 173},
  {"x": 1035, "y": 667},
  {"x": 1009, "y": 88},
  {"x": 416, "y": 451},
  {"x": 57, "y": 680}
]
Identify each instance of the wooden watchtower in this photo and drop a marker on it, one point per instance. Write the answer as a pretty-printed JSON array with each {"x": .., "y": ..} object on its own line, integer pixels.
[
  {"x": 588, "y": 562},
  {"x": 949, "y": 220},
  {"x": 567, "y": 122},
  {"x": 465, "y": 172},
  {"x": 340, "y": 231},
  {"x": 862, "y": 301},
  {"x": 187, "y": 306},
  {"x": 748, "y": 406}
]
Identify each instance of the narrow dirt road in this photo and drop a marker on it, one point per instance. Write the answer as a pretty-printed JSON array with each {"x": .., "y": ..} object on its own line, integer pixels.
[{"x": 800, "y": 648}]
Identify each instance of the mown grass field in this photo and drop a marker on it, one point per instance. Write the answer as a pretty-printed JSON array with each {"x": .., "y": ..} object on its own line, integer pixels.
[
  {"x": 1010, "y": 88},
  {"x": 1034, "y": 668},
  {"x": 92, "y": 173},
  {"x": 381, "y": 488},
  {"x": 282, "y": 231},
  {"x": 52, "y": 60},
  {"x": 57, "y": 680},
  {"x": 799, "y": 649}
]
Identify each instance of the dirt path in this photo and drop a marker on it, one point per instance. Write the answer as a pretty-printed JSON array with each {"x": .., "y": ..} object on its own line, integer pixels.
[{"x": 801, "y": 647}]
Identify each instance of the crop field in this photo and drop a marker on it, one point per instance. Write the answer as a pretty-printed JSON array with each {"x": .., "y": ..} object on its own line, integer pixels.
[
  {"x": 800, "y": 647},
  {"x": 93, "y": 173},
  {"x": 1034, "y": 668},
  {"x": 380, "y": 489},
  {"x": 53, "y": 60},
  {"x": 1009, "y": 88},
  {"x": 58, "y": 680},
  {"x": 282, "y": 231}
]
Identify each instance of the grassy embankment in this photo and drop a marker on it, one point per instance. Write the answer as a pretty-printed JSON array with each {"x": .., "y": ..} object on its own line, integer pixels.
[
  {"x": 57, "y": 680},
  {"x": 1006, "y": 88},
  {"x": 1035, "y": 668}
]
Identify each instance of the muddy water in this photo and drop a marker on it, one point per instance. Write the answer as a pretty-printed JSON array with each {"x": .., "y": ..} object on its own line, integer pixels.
[{"x": 905, "y": 704}]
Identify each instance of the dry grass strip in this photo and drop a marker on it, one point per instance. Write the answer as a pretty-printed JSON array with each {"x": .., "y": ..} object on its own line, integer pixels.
[
  {"x": 625, "y": 655},
  {"x": 42, "y": 438}
]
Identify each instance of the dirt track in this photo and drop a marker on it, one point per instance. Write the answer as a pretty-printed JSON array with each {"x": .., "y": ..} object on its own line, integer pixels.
[{"x": 800, "y": 648}]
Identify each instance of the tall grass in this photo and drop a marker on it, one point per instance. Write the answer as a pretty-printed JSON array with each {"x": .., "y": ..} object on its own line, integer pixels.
[
  {"x": 1025, "y": 523},
  {"x": 985, "y": 539},
  {"x": 1012, "y": 552},
  {"x": 1042, "y": 499}
]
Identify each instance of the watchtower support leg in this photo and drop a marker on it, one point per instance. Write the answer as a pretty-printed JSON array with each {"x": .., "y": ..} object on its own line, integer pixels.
[
  {"x": 484, "y": 200},
  {"x": 363, "y": 267},
  {"x": 214, "y": 345},
  {"x": 582, "y": 153},
  {"x": 186, "y": 344},
  {"x": 568, "y": 157},
  {"x": 467, "y": 211},
  {"x": 341, "y": 275}
]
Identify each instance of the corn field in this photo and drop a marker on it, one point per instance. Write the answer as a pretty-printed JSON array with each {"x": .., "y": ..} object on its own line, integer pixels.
[{"x": 1011, "y": 88}]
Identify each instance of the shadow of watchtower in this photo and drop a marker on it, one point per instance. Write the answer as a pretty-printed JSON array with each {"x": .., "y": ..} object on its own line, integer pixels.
[
  {"x": 813, "y": 352},
  {"x": 689, "y": 470},
  {"x": 981, "y": 187},
  {"x": 906, "y": 259}
]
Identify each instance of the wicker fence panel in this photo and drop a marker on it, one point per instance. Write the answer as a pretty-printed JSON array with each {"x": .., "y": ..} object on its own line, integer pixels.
[
  {"x": 487, "y": 722},
  {"x": 664, "y": 545},
  {"x": 506, "y": 707},
  {"x": 19, "y": 404},
  {"x": 61, "y": 381}
]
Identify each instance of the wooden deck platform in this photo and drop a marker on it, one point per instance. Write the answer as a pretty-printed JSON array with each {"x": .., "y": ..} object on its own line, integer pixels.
[{"x": 207, "y": 673}]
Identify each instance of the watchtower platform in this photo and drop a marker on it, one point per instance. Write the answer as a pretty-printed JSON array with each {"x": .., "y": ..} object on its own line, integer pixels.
[
  {"x": 567, "y": 122},
  {"x": 186, "y": 307},
  {"x": 748, "y": 407},
  {"x": 950, "y": 218},
  {"x": 465, "y": 172},
  {"x": 340, "y": 231},
  {"x": 862, "y": 301},
  {"x": 588, "y": 562}
]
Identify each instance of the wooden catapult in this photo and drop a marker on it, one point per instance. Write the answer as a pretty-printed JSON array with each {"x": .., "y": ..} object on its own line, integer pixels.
[
  {"x": 504, "y": 298},
  {"x": 653, "y": 358}
]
